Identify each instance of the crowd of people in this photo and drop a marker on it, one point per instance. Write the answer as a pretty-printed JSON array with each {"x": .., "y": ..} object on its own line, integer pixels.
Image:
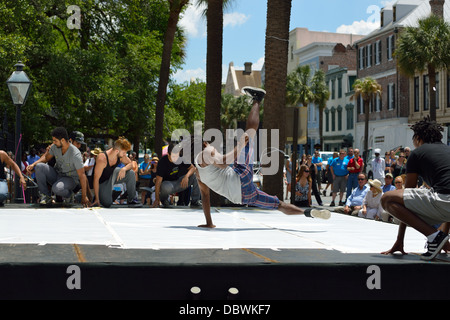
[
  {"x": 69, "y": 172},
  {"x": 345, "y": 175}
]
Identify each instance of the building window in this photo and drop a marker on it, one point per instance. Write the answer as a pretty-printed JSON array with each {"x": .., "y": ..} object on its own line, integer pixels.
[
  {"x": 390, "y": 44},
  {"x": 361, "y": 58},
  {"x": 377, "y": 103},
  {"x": 360, "y": 105},
  {"x": 339, "y": 87},
  {"x": 327, "y": 120},
  {"x": 391, "y": 96},
  {"x": 351, "y": 81},
  {"x": 378, "y": 52},
  {"x": 369, "y": 55},
  {"x": 426, "y": 100},
  {"x": 333, "y": 96},
  {"x": 350, "y": 119},
  {"x": 416, "y": 94},
  {"x": 333, "y": 119},
  {"x": 339, "y": 113}
]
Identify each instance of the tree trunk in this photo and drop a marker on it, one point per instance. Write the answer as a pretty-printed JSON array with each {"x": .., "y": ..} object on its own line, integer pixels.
[
  {"x": 431, "y": 92},
  {"x": 175, "y": 8},
  {"x": 213, "y": 98},
  {"x": 214, "y": 17},
  {"x": 276, "y": 59},
  {"x": 366, "y": 130}
]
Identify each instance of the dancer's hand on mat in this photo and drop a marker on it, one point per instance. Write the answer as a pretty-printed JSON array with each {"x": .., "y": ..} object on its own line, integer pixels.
[
  {"x": 398, "y": 246},
  {"x": 207, "y": 226},
  {"x": 96, "y": 203}
]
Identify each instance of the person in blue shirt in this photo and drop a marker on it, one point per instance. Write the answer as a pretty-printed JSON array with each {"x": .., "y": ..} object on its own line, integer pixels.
[
  {"x": 339, "y": 170},
  {"x": 388, "y": 186},
  {"x": 354, "y": 202},
  {"x": 317, "y": 161}
]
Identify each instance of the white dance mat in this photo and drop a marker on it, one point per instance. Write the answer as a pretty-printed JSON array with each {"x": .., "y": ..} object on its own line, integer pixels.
[{"x": 177, "y": 229}]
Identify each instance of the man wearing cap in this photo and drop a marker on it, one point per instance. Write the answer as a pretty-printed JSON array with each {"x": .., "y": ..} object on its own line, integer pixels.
[
  {"x": 378, "y": 166},
  {"x": 77, "y": 139}
]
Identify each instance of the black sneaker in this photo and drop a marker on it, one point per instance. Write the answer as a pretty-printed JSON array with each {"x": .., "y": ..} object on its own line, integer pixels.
[
  {"x": 435, "y": 247},
  {"x": 332, "y": 204},
  {"x": 196, "y": 204},
  {"x": 134, "y": 204},
  {"x": 166, "y": 204},
  {"x": 256, "y": 93}
]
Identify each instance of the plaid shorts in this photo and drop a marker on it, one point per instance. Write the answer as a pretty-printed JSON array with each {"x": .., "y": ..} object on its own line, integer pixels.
[{"x": 251, "y": 195}]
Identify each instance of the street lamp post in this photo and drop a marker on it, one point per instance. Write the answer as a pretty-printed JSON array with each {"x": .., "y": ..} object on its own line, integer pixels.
[{"x": 19, "y": 86}]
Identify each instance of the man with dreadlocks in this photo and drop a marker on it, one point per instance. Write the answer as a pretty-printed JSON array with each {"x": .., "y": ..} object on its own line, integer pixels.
[
  {"x": 236, "y": 182},
  {"x": 424, "y": 209}
]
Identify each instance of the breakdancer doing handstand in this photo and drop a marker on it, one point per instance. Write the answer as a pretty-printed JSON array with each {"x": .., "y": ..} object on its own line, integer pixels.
[{"x": 235, "y": 182}]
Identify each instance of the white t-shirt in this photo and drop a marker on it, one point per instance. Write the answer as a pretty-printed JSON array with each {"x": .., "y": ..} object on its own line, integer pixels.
[{"x": 224, "y": 181}]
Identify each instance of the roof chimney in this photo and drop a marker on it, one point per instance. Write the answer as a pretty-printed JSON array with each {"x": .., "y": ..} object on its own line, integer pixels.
[
  {"x": 248, "y": 68},
  {"x": 437, "y": 7}
]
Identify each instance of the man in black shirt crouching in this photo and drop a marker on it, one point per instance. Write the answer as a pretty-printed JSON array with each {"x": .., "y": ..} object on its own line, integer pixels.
[{"x": 172, "y": 178}]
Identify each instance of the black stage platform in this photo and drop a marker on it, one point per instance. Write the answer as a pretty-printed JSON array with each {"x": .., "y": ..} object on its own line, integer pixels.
[{"x": 51, "y": 270}]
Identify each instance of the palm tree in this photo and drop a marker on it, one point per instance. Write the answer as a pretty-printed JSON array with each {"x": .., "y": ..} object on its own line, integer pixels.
[
  {"x": 276, "y": 59},
  {"x": 425, "y": 48},
  {"x": 367, "y": 89},
  {"x": 175, "y": 7},
  {"x": 299, "y": 87},
  {"x": 321, "y": 96}
]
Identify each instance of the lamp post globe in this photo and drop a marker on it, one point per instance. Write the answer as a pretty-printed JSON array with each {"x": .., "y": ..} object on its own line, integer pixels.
[{"x": 19, "y": 86}]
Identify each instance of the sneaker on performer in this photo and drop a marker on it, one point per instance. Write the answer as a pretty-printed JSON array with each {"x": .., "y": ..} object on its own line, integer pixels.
[
  {"x": 435, "y": 246},
  {"x": 316, "y": 213},
  {"x": 256, "y": 93}
]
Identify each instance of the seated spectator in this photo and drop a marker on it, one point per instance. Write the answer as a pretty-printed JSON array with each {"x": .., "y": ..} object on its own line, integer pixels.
[
  {"x": 371, "y": 207},
  {"x": 388, "y": 186},
  {"x": 386, "y": 216},
  {"x": 355, "y": 201}
]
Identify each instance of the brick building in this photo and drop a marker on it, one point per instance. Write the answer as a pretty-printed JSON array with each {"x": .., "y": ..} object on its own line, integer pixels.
[{"x": 402, "y": 98}]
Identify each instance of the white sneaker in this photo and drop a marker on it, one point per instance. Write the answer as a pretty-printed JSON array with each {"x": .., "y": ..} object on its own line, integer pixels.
[{"x": 320, "y": 214}]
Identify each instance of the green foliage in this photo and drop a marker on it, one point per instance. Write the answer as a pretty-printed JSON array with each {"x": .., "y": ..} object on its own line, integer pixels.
[
  {"x": 299, "y": 87},
  {"x": 423, "y": 46},
  {"x": 101, "y": 79}
]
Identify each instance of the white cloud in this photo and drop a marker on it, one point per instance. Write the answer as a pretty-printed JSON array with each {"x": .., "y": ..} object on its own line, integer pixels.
[
  {"x": 182, "y": 76},
  {"x": 359, "y": 27},
  {"x": 193, "y": 21},
  {"x": 234, "y": 19},
  {"x": 364, "y": 27}
]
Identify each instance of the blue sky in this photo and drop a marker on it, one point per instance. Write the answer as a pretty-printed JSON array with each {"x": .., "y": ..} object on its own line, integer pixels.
[{"x": 245, "y": 26}]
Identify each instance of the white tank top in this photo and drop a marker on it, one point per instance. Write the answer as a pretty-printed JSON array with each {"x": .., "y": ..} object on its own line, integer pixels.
[{"x": 224, "y": 181}]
